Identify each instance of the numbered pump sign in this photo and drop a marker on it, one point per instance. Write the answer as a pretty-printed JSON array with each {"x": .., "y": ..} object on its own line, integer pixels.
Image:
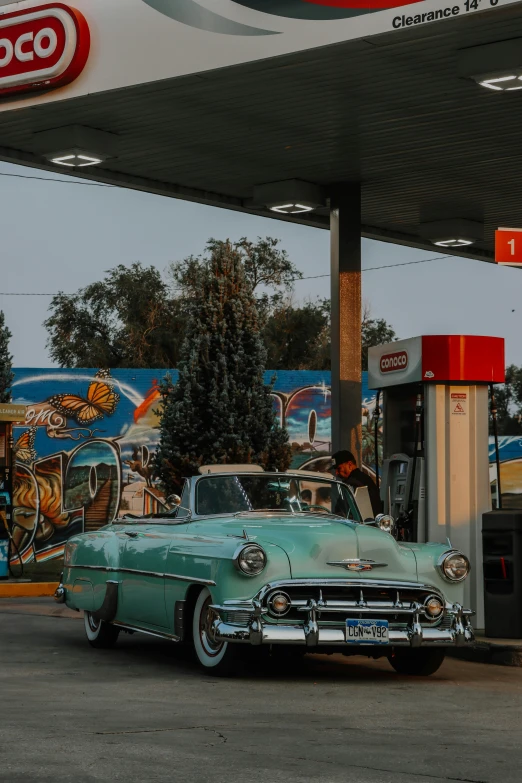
[{"x": 508, "y": 246}]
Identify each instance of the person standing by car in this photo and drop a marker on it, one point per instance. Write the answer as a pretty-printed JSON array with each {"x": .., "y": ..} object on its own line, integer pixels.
[{"x": 346, "y": 469}]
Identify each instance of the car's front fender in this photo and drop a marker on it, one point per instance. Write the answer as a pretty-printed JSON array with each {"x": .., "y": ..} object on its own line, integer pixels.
[
  {"x": 427, "y": 556},
  {"x": 211, "y": 559}
]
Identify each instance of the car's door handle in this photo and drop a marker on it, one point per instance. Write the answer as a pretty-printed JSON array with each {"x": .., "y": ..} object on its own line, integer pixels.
[{"x": 131, "y": 533}]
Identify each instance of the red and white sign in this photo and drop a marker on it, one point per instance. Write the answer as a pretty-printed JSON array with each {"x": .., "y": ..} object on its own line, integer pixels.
[
  {"x": 508, "y": 246},
  {"x": 459, "y": 403},
  {"x": 437, "y": 358},
  {"x": 394, "y": 362},
  {"x": 42, "y": 48}
]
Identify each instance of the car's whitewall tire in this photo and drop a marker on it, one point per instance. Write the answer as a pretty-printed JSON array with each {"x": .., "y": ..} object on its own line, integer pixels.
[
  {"x": 100, "y": 634},
  {"x": 216, "y": 657}
]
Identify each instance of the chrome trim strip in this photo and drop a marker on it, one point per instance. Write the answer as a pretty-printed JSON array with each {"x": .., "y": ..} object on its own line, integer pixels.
[
  {"x": 151, "y": 521},
  {"x": 177, "y": 577},
  {"x": 170, "y": 636}
]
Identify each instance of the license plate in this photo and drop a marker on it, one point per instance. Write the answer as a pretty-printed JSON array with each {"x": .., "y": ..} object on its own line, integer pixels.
[{"x": 367, "y": 632}]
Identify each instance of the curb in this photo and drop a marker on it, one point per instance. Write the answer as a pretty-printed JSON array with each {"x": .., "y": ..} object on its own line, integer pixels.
[
  {"x": 489, "y": 652},
  {"x": 27, "y": 589}
]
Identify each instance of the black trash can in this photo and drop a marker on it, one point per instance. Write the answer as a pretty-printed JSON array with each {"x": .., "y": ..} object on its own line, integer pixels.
[{"x": 502, "y": 558}]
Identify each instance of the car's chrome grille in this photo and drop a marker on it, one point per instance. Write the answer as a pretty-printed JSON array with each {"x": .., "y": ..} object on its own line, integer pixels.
[
  {"x": 237, "y": 618},
  {"x": 392, "y": 603}
]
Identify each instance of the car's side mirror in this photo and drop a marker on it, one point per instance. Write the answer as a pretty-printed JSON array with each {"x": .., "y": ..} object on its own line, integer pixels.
[{"x": 174, "y": 500}]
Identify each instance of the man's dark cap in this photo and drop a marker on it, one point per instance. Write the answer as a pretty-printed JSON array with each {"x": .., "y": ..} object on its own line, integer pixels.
[{"x": 340, "y": 457}]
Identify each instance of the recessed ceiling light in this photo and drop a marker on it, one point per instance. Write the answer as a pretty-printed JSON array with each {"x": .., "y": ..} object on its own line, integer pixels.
[
  {"x": 501, "y": 83},
  {"x": 289, "y": 197},
  {"x": 292, "y": 209},
  {"x": 452, "y": 232},
  {"x": 75, "y": 160},
  {"x": 75, "y": 146},
  {"x": 453, "y": 242},
  {"x": 496, "y": 66}
]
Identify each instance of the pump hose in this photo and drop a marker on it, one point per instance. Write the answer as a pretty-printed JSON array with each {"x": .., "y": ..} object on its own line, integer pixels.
[
  {"x": 376, "y": 415},
  {"x": 493, "y": 409},
  {"x": 419, "y": 408}
]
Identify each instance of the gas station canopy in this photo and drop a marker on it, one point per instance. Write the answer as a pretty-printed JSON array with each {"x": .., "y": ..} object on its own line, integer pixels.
[{"x": 207, "y": 100}]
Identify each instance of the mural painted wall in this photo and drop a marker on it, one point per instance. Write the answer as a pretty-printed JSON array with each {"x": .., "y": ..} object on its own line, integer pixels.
[{"x": 85, "y": 453}]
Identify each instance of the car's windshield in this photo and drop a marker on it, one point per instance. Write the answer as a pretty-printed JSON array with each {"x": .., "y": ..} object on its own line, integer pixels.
[{"x": 285, "y": 494}]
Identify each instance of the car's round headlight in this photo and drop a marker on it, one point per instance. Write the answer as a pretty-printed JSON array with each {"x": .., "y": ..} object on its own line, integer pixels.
[
  {"x": 250, "y": 560},
  {"x": 454, "y": 566},
  {"x": 280, "y": 604},
  {"x": 433, "y": 607},
  {"x": 385, "y": 522}
]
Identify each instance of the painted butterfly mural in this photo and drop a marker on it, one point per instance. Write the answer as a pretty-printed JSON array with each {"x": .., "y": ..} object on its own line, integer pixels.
[
  {"x": 24, "y": 446},
  {"x": 101, "y": 400}
]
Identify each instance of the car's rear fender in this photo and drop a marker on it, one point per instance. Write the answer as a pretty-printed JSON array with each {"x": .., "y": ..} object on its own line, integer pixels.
[{"x": 90, "y": 561}]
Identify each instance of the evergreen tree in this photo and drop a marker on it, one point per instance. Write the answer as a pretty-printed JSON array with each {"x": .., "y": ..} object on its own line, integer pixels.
[
  {"x": 220, "y": 411},
  {"x": 6, "y": 373}
]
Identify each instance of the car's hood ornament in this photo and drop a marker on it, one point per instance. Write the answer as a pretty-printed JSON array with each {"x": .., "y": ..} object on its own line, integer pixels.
[{"x": 356, "y": 564}]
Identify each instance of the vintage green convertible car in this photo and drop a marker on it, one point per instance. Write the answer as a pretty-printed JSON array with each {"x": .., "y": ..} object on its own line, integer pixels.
[{"x": 252, "y": 559}]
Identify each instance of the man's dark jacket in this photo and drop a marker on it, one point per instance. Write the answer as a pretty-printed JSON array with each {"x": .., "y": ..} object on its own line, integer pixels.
[{"x": 359, "y": 479}]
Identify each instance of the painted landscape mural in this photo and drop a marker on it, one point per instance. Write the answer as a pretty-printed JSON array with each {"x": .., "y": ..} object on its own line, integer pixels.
[{"x": 85, "y": 453}]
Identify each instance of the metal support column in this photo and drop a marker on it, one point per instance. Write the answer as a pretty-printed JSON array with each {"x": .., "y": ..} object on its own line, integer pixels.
[{"x": 345, "y": 231}]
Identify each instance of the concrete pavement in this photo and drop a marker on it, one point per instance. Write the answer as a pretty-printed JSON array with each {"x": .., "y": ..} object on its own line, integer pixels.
[{"x": 141, "y": 712}]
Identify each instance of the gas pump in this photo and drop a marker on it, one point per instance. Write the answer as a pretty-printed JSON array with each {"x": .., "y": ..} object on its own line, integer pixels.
[{"x": 435, "y": 474}]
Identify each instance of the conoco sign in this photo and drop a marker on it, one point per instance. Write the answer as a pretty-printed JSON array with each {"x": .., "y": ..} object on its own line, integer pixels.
[
  {"x": 42, "y": 48},
  {"x": 394, "y": 362}
]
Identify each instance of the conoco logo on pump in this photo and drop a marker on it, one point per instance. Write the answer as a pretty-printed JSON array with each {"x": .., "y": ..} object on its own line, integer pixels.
[
  {"x": 42, "y": 47},
  {"x": 394, "y": 362}
]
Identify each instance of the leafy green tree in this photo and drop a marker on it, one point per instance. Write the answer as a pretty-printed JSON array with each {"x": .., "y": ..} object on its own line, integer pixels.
[
  {"x": 508, "y": 398},
  {"x": 375, "y": 331},
  {"x": 6, "y": 360},
  {"x": 268, "y": 271},
  {"x": 220, "y": 410},
  {"x": 298, "y": 338},
  {"x": 126, "y": 320}
]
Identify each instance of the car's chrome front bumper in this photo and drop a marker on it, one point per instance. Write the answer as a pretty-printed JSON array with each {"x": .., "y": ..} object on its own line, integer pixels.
[{"x": 311, "y": 634}]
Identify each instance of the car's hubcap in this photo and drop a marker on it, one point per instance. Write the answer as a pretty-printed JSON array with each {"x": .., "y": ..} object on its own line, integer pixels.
[
  {"x": 93, "y": 624},
  {"x": 206, "y": 633}
]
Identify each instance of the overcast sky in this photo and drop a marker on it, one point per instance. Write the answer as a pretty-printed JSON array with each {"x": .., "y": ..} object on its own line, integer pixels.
[{"x": 63, "y": 236}]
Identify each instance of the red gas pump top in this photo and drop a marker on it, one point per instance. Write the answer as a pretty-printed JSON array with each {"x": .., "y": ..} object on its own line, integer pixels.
[{"x": 437, "y": 358}]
